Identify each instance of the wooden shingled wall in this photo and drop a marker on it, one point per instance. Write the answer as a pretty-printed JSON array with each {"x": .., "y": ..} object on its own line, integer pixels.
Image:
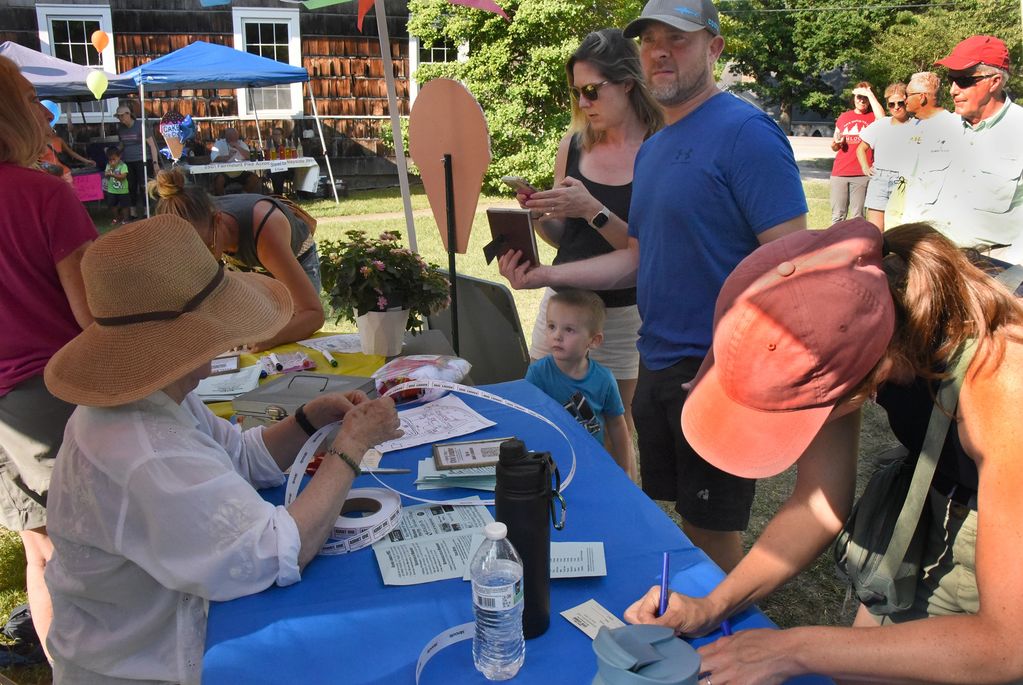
[{"x": 346, "y": 70}]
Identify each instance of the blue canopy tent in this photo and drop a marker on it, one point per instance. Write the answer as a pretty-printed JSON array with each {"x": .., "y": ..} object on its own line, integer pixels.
[{"x": 206, "y": 65}]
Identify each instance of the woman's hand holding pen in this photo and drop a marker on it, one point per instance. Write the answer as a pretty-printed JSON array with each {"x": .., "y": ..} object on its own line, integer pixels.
[
  {"x": 686, "y": 615},
  {"x": 569, "y": 199}
]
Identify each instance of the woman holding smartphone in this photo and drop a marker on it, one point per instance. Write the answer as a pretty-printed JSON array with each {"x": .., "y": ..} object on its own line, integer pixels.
[{"x": 585, "y": 214}]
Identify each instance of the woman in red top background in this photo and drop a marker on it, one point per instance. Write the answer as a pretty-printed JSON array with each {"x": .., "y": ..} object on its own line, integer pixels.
[{"x": 848, "y": 184}]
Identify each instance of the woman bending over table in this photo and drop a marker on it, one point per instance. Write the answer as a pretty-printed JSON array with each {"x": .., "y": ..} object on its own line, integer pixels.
[
  {"x": 153, "y": 507},
  {"x": 806, "y": 329},
  {"x": 253, "y": 233},
  {"x": 44, "y": 231},
  {"x": 586, "y": 212}
]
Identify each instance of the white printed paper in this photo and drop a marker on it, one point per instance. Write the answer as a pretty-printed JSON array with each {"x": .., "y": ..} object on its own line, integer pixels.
[
  {"x": 344, "y": 343},
  {"x": 431, "y": 542},
  {"x": 590, "y": 616},
  {"x": 448, "y": 417},
  {"x": 228, "y": 386},
  {"x": 577, "y": 559},
  {"x": 568, "y": 559}
]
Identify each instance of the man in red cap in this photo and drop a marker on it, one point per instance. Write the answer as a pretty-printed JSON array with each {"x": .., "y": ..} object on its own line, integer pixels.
[{"x": 969, "y": 185}]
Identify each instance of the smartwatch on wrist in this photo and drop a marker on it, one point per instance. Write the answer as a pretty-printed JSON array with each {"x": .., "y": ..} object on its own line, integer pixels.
[{"x": 601, "y": 219}]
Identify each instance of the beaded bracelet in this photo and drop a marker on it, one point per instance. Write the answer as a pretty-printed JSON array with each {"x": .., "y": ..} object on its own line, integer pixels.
[
  {"x": 303, "y": 421},
  {"x": 346, "y": 459}
]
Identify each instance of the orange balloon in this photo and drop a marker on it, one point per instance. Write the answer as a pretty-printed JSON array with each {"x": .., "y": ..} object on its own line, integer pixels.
[{"x": 100, "y": 40}]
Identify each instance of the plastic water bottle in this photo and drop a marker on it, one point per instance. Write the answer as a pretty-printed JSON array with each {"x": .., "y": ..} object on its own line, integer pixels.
[{"x": 498, "y": 649}]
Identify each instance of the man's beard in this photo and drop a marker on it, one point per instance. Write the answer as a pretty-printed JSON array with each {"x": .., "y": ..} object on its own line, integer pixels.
[{"x": 681, "y": 89}]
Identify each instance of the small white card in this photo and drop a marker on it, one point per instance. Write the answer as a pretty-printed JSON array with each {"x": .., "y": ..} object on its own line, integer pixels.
[
  {"x": 590, "y": 616},
  {"x": 276, "y": 166}
]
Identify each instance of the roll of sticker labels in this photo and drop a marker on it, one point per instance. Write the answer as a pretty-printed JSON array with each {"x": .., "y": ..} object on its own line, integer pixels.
[{"x": 381, "y": 507}]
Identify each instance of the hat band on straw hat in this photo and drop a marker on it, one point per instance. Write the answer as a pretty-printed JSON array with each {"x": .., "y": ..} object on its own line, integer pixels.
[{"x": 165, "y": 315}]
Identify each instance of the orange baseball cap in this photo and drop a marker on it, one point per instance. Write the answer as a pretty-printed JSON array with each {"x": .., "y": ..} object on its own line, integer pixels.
[{"x": 797, "y": 326}]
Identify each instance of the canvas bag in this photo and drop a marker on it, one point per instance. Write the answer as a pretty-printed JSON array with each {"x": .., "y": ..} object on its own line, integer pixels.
[
  {"x": 882, "y": 542},
  {"x": 880, "y": 546}
]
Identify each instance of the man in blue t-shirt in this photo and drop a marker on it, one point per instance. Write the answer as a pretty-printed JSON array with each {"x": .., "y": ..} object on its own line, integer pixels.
[{"x": 716, "y": 182}]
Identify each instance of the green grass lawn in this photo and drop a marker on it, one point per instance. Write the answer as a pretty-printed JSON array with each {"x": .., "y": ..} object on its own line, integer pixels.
[{"x": 377, "y": 210}]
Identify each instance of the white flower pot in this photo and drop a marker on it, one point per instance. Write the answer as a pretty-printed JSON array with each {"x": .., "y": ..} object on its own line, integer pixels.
[{"x": 382, "y": 333}]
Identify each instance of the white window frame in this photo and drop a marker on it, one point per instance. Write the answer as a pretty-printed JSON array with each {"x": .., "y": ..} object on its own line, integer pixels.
[
  {"x": 47, "y": 11},
  {"x": 289, "y": 16},
  {"x": 414, "y": 63}
]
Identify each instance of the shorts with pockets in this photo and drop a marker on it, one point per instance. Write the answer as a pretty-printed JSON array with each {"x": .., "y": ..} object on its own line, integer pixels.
[{"x": 670, "y": 469}]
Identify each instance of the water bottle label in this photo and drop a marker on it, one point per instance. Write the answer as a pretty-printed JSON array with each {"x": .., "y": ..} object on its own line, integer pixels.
[{"x": 497, "y": 598}]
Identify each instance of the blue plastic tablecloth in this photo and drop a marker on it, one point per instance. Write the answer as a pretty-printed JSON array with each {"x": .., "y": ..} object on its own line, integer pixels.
[{"x": 341, "y": 624}]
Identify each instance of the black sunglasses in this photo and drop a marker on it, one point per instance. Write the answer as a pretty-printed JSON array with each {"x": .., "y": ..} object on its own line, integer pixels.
[
  {"x": 898, "y": 103},
  {"x": 591, "y": 91},
  {"x": 969, "y": 81}
]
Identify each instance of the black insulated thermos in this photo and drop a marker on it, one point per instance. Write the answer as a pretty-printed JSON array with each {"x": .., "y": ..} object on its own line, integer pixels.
[{"x": 523, "y": 501}]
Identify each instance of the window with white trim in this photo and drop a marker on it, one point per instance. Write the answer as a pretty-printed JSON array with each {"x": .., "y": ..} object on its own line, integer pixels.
[
  {"x": 65, "y": 32},
  {"x": 419, "y": 54},
  {"x": 274, "y": 34}
]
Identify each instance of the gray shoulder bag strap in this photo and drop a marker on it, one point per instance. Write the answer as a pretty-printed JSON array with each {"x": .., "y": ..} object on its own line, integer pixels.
[
  {"x": 923, "y": 474},
  {"x": 934, "y": 441}
]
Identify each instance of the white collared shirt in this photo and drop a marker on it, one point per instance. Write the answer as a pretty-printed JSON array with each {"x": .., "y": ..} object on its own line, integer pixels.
[
  {"x": 969, "y": 181},
  {"x": 153, "y": 512}
]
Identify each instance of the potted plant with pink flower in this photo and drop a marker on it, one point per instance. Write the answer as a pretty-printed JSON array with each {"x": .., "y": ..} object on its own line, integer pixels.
[{"x": 379, "y": 284}]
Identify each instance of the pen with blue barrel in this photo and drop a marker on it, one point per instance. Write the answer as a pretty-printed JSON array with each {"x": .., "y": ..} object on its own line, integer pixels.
[
  {"x": 726, "y": 627},
  {"x": 664, "y": 586}
]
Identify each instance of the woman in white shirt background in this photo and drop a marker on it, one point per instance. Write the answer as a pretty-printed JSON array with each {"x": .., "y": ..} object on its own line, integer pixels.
[
  {"x": 153, "y": 509},
  {"x": 888, "y": 137}
]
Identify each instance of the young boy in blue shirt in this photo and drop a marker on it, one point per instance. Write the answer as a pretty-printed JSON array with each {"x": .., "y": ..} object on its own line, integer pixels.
[{"x": 575, "y": 324}]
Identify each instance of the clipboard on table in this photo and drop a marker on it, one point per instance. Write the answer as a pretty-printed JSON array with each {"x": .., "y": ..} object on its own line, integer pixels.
[{"x": 511, "y": 229}]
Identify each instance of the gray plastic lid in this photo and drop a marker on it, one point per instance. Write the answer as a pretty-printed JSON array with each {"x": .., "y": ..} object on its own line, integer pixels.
[
  {"x": 642, "y": 654},
  {"x": 495, "y": 531}
]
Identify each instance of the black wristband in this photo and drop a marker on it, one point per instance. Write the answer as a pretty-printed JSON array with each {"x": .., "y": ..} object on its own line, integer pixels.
[{"x": 303, "y": 421}]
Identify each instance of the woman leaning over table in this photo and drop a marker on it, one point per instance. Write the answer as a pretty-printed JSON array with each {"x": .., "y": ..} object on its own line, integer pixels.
[
  {"x": 153, "y": 507},
  {"x": 886, "y": 315},
  {"x": 253, "y": 233},
  {"x": 44, "y": 231},
  {"x": 586, "y": 212}
]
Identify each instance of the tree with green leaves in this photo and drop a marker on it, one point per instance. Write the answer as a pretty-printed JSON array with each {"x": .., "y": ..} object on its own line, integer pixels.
[
  {"x": 516, "y": 70},
  {"x": 915, "y": 39},
  {"x": 785, "y": 47}
]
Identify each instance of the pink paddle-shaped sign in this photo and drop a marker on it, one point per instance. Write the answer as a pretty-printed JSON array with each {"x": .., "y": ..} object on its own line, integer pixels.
[{"x": 446, "y": 119}]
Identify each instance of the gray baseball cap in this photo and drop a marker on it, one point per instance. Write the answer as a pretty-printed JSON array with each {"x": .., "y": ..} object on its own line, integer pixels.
[{"x": 685, "y": 15}]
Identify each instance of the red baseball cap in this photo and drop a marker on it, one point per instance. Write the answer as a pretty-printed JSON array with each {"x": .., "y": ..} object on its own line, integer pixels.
[
  {"x": 976, "y": 50},
  {"x": 797, "y": 326}
]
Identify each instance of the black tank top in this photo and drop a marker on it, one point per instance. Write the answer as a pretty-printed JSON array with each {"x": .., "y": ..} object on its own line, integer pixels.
[
  {"x": 581, "y": 241},
  {"x": 240, "y": 207},
  {"x": 909, "y": 412}
]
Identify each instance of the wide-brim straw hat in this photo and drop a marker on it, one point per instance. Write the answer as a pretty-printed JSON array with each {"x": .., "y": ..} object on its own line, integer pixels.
[{"x": 163, "y": 306}]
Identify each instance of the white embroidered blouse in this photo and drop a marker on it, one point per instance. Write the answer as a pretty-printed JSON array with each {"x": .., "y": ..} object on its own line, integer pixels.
[{"x": 153, "y": 512}]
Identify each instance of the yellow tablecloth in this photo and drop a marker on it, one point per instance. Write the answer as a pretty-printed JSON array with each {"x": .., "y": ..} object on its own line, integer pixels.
[{"x": 348, "y": 364}]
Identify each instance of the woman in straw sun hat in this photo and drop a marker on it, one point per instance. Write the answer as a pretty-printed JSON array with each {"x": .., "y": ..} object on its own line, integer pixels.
[
  {"x": 153, "y": 509},
  {"x": 44, "y": 230},
  {"x": 806, "y": 329}
]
